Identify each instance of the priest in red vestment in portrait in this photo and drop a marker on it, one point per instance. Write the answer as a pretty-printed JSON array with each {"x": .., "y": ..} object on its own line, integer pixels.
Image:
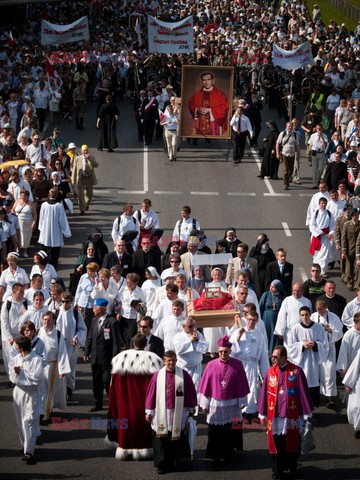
[
  {"x": 209, "y": 108},
  {"x": 128, "y": 431}
]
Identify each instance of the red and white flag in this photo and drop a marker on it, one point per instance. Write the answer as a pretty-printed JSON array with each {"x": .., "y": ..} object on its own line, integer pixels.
[
  {"x": 161, "y": 115},
  {"x": 52, "y": 73},
  {"x": 11, "y": 40}
]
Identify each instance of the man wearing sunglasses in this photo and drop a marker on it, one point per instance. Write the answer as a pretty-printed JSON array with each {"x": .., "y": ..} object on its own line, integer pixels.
[{"x": 71, "y": 324}]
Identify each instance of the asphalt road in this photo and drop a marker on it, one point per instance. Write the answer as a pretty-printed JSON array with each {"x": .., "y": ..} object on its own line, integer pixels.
[{"x": 221, "y": 195}]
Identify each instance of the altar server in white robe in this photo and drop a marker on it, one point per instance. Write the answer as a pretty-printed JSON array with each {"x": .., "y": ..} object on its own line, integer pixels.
[
  {"x": 240, "y": 321},
  {"x": 171, "y": 325},
  {"x": 164, "y": 309},
  {"x": 73, "y": 328},
  {"x": 352, "y": 387},
  {"x": 349, "y": 346},
  {"x": 150, "y": 288},
  {"x": 11, "y": 311},
  {"x": 57, "y": 365},
  {"x": 322, "y": 226},
  {"x": 27, "y": 374},
  {"x": 308, "y": 348},
  {"x": 36, "y": 311},
  {"x": 351, "y": 308},
  {"x": 249, "y": 346},
  {"x": 289, "y": 312},
  {"x": 333, "y": 328},
  {"x": 190, "y": 347}
]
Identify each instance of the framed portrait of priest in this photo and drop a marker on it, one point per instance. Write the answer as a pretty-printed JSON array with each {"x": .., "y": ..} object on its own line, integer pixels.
[{"x": 206, "y": 101}]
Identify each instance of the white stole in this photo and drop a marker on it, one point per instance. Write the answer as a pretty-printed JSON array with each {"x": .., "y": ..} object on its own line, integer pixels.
[{"x": 161, "y": 420}]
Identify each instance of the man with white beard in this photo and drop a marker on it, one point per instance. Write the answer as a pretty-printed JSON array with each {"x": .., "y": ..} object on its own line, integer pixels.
[
  {"x": 352, "y": 387},
  {"x": 308, "y": 348},
  {"x": 57, "y": 365},
  {"x": 171, "y": 325},
  {"x": 71, "y": 324},
  {"x": 11, "y": 312},
  {"x": 333, "y": 328},
  {"x": 349, "y": 346},
  {"x": 27, "y": 374},
  {"x": 289, "y": 312},
  {"x": 190, "y": 346},
  {"x": 249, "y": 346}
]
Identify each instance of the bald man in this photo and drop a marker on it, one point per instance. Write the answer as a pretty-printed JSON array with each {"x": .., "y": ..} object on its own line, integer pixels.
[{"x": 83, "y": 176}]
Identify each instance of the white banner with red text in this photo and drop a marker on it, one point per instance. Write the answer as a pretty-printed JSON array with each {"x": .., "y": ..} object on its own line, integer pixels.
[
  {"x": 170, "y": 37},
  {"x": 52, "y": 34},
  {"x": 292, "y": 59}
]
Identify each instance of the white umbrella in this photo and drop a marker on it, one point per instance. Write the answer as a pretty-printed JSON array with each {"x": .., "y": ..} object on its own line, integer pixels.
[{"x": 192, "y": 430}]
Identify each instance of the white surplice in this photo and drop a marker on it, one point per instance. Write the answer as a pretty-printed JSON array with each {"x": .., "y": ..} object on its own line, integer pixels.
[
  {"x": 190, "y": 354},
  {"x": 66, "y": 323},
  {"x": 328, "y": 368},
  {"x": 251, "y": 349},
  {"x": 352, "y": 380},
  {"x": 289, "y": 316},
  {"x": 308, "y": 359}
]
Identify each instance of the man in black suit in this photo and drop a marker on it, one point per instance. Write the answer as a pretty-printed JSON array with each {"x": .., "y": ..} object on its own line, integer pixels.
[
  {"x": 144, "y": 257},
  {"x": 103, "y": 342},
  {"x": 154, "y": 344},
  {"x": 119, "y": 257},
  {"x": 280, "y": 270}
]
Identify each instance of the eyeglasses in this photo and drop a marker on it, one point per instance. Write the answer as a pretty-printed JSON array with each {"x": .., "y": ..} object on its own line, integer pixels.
[
  {"x": 66, "y": 301},
  {"x": 274, "y": 356}
]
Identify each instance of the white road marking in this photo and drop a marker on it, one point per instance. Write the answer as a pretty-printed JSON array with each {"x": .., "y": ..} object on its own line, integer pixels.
[
  {"x": 241, "y": 194},
  {"x": 277, "y": 194},
  {"x": 287, "y": 229},
  {"x": 133, "y": 192},
  {"x": 271, "y": 192},
  {"x": 146, "y": 168},
  {"x": 205, "y": 193},
  {"x": 99, "y": 192},
  {"x": 166, "y": 192},
  {"x": 303, "y": 274}
]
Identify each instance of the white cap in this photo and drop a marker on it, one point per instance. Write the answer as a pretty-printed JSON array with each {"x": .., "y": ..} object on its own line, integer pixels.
[
  {"x": 71, "y": 145},
  {"x": 39, "y": 165}
]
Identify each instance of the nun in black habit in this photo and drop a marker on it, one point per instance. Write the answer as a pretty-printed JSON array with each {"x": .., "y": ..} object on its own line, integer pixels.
[
  {"x": 270, "y": 164},
  {"x": 108, "y": 115},
  {"x": 264, "y": 255}
]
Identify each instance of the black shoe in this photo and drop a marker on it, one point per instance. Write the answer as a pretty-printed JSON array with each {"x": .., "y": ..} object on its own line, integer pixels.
[
  {"x": 100, "y": 149},
  {"x": 82, "y": 212},
  {"x": 31, "y": 460},
  {"x": 110, "y": 150},
  {"x": 39, "y": 440},
  {"x": 97, "y": 408},
  {"x": 261, "y": 176},
  {"x": 331, "y": 266},
  {"x": 357, "y": 434}
]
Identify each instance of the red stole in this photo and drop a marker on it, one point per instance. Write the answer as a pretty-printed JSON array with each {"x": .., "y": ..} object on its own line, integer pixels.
[
  {"x": 292, "y": 388},
  {"x": 315, "y": 243}
]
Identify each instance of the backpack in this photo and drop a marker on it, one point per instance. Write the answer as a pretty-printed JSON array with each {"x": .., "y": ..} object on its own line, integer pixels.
[
  {"x": 119, "y": 221},
  {"x": 193, "y": 225},
  {"x": 9, "y": 302}
]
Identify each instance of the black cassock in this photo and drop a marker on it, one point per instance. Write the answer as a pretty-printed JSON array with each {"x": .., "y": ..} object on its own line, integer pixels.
[{"x": 108, "y": 126}]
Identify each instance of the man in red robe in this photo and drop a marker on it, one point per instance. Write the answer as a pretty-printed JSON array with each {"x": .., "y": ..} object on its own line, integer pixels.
[
  {"x": 209, "y": 108},
  {"x": 284, "y": 406},
  {"x": 128, "y": 431}
]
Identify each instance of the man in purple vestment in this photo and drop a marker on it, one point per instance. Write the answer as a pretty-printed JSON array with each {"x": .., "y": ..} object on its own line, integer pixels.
[
  {"x": 170, "y": 399},
  {"x": 284, "y": 427},
  {"x": 222, "y": 395}
]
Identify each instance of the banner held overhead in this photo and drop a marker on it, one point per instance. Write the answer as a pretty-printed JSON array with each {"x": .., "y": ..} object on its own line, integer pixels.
[
  {"x": 52, "y": 34},
  {"x": 292, "y": 59},
  {"x": 170, "y": 37}
]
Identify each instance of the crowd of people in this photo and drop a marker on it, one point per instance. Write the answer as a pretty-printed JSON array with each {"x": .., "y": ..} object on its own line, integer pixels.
[{"x": 128, "y": 308}]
